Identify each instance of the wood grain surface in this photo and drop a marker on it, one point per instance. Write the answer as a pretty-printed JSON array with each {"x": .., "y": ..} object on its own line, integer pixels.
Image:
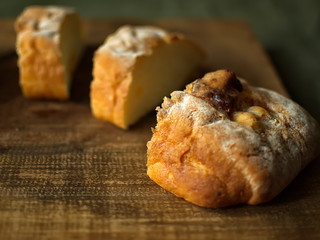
[{"x": 66, "y": 175}]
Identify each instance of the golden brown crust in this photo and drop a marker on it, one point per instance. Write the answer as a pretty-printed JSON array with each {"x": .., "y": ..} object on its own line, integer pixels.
[
  {"x": 41, "y": 76},
  {"x": 186, "y": 169},
  {"x": 45, "y": 66},
  {"x": 218, "y": 143},
  {"x": 109, "y": 88}
]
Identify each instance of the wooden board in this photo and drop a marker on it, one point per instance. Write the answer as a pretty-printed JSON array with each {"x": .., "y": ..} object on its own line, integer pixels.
[{"x": 66, "y": 175}]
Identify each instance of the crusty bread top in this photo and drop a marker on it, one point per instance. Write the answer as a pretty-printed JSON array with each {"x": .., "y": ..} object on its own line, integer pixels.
[
  {"x": 129, "y": 42},
  {"x": 44, "y": 21},
  {"x": 268, "y": 137}
]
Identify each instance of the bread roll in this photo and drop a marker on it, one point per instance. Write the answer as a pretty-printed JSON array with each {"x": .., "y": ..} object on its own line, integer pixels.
[
  {"x": 135, "y": 67},
  {"x": 223, "y": 142},
  {"x": 49, "y": 45}
]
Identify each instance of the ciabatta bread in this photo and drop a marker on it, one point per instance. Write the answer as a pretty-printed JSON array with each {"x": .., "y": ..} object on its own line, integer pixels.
[
  {"x": 49, "y": 44},
  {"x": 135, "y": 68},
  {"x": 223, "y": 142}
]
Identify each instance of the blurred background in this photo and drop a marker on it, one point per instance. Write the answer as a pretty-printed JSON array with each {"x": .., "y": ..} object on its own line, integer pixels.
[{"x": 288, "y": 30}]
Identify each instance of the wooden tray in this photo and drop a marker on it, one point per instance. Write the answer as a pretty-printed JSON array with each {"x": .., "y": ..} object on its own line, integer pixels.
[{"x": 66, "y": 175}]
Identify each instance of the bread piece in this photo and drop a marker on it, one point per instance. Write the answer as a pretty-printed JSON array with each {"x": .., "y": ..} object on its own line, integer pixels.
[
  {"x": 223, "y": 142},
  {"x": 135, "y": 68},
  {"x": 49, "y": 45}
]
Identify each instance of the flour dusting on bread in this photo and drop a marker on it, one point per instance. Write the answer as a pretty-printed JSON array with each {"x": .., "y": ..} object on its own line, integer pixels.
[
  {"x": 43, "y": 21},
  {"x": 130, "y": 41}
]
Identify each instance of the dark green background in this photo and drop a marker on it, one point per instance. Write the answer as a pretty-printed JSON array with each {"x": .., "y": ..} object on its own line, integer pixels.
[{"x": 289, "y": 30}]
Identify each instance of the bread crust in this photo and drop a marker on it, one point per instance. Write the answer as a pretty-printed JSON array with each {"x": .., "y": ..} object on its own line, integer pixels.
[
  {"x": 43, "y": 72},
  {"x": 109, "y": 88},
  {"x": 223, "y": 142}
]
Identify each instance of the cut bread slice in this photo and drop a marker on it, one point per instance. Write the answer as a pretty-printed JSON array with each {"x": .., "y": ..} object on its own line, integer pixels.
[
  {"x": 135, "y": 68},
  {"x": 49, "y": 44}
]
